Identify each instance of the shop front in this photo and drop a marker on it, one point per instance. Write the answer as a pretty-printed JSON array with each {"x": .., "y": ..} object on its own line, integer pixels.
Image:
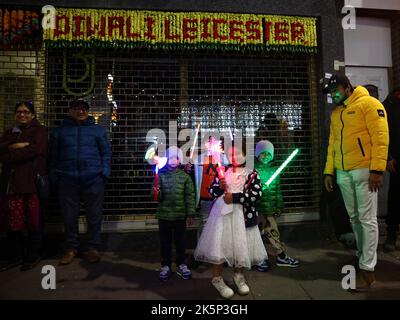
[{"x": 140, "y": 69}]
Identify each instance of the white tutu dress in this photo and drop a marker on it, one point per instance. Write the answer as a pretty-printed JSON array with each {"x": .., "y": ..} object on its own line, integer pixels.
[{"x": 225, "y": 237}]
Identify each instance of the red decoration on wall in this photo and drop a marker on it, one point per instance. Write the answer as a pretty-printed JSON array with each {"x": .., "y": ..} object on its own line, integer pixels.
[{"x": 18, "y": 28}]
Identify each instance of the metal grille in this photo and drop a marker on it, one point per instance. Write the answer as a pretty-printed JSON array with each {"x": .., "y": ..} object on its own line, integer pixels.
[
  {"x": 273, "y": 95},
  {"x": 270, "y": 95}
]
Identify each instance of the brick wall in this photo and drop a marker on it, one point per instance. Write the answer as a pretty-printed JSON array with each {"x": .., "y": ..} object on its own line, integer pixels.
[
  {"x": 22, "y": 77},
  {"x": 150, "y": 89}
]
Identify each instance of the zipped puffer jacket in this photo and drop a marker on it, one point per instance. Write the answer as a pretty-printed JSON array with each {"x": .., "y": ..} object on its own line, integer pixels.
[
  {"x": 359, "y": 134},
  {"x": 271, "y": 200},
  {"x": 176, "y": 199},
  {"x": 79, "y": 152}
]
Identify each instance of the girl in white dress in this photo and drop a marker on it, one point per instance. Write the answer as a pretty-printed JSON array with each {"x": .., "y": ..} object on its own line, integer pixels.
[{"x": 231, "y": 233}]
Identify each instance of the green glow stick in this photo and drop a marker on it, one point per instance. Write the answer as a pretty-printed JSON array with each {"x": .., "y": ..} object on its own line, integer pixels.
[{"x": 282, "y": 166}]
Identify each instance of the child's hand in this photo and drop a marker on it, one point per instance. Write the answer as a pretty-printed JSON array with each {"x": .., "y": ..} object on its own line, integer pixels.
[
  {"x": 155, "y": 189},
  {"x": 222, "y": 183},
  {"x": 228, "y": 198},
  {"x": 189, "y": 221}
]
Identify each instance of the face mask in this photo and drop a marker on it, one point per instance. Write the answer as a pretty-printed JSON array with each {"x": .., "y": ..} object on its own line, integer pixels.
[
  {"x": 265, "y": 158},
  {"x": 338, "y": 98}
]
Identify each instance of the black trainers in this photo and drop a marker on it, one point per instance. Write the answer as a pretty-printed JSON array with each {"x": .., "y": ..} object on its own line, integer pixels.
[
  {"x": 287, "y": 262},
  {"x": 165, "y": 273},
  {"x": 184, "y": 272}
]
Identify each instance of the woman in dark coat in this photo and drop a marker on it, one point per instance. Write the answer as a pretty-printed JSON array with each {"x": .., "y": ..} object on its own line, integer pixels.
[{"x": 23, "y": 153}]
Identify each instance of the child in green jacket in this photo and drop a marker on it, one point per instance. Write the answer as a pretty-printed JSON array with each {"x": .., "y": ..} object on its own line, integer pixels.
[
  {"x": 176, "y": 207},
  {"x": 270, "y": 205}
]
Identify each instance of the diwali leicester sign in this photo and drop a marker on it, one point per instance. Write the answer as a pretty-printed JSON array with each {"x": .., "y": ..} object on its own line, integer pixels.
[{"x": 180, "y": 30}]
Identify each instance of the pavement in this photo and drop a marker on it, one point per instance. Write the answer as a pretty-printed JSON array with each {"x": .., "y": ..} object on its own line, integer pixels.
[{"x": 130, "y": 263}]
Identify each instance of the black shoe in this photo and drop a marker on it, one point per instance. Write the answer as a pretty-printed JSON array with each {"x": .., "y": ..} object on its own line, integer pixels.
[
  {"x": 7, "y": 265},
  {"x": 30, "y": 264}
]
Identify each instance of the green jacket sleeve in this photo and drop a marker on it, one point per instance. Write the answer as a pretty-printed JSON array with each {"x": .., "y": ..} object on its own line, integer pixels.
[{"x": 279, "y": 200}]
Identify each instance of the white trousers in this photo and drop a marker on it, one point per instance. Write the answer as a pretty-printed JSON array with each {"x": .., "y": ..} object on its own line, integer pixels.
[{"x": 362, "y": 207}]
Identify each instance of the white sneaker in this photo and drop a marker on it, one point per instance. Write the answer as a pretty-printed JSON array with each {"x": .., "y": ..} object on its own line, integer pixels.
[
  {"x": 240, "y": 282},
  {"x": 222, "y": 288}
]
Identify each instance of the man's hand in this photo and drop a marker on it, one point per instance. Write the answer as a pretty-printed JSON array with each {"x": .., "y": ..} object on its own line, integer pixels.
[
  {"x": 228, "y": 198},
  {"x": 18, "y": 145},
  {"x": 222, "y": 183},
  {"x": 375, "y": 182},
  {"x": 391, "y": 166},
  {"x": 189, "y": 221},
  {"x": 328, "y": 182},
  {"x": 278, "y": 213}
]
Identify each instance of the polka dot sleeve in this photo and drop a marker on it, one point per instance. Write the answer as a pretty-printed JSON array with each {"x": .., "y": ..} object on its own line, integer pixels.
[
  {"x": 253, "y": 193},
  {"x": 215, "y": 189}
]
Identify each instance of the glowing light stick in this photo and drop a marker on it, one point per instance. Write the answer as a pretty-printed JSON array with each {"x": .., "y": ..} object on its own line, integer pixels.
[
  {"x": 250, "y": 180},
  {"x": 195, "y": 141},
  {"x": 216, "y": 151},
  {"x": 155, "y": 192},
  {"x": 160, "y": 162},
  {"x": 231, "y": 134},
  {"x": 282, "y": 166}
]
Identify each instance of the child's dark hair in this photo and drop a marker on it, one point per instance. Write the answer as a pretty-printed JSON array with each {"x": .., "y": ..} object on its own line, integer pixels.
[{"x": 28, "y": 104}]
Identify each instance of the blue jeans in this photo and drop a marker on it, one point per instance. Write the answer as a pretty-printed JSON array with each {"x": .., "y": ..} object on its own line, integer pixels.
[{"x": 70, "y": 195}]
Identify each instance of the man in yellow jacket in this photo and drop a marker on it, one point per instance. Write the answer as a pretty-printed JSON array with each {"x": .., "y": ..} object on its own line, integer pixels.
[{"x": 357, "y": 151}]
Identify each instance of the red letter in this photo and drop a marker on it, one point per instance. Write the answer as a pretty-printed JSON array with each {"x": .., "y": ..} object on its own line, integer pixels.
[
  {"x": 205, "y": 33},
  {"x": 187, "y": 30},
  {"x": 216, "y": 35},
  {"x": 119, "y": 24},
  {"x": 128, "y": 30},
  {"x": 149, "y": 33},
  {"x": 267, "y": 31},
  {"x": 281, "y": 31},
  {"x": 57, "y": 31},
  {"x": 253, "y": 27},
  {"x": 78, "y": 22},
  {"x": 168, "y": 34},
  {"x": 297, "y": 31},
  {"x": 90, "y": 31},
  {"x": 233, "y": 29}
]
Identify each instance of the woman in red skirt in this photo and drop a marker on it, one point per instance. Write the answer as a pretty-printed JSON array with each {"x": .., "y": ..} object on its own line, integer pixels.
[{"x": 23, "y": 153}]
